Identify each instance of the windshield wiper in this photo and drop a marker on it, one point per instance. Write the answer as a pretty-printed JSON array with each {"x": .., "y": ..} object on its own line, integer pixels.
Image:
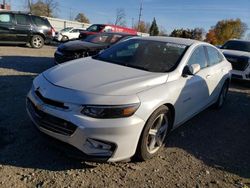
[{"x": 135, "y": 66}]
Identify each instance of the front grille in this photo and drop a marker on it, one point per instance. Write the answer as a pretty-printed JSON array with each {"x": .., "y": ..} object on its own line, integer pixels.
[
  {"x": 50, "y": 102},
  {"x": 238, "y": 63},
  {"x": 50, "y": 122}
]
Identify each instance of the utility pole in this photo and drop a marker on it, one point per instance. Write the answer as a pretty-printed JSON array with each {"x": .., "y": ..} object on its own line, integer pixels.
[
  {"x": 29, "y": 5},
  {"x": 132, "y": 23},
  {"x": 70, "y": 14},
  {"x": 140, "y": 14}
]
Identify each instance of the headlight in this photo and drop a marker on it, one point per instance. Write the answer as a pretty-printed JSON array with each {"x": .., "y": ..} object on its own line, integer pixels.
[{"x": 106, "y": 112}]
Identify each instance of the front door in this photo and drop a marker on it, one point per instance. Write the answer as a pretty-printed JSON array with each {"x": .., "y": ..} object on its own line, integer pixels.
[{"x": 23, "y": 27}]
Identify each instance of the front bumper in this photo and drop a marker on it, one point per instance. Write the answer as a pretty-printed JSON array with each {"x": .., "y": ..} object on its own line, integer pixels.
[{"x": 98, "y": 139}]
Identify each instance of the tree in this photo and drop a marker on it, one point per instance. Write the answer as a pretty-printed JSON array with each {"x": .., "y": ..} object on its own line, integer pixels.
[
  {"x": 154, "y": 30},
  {"x": 142, "y": 26},
  {"x": 82, "y": 18},
  {"x": 225, "y": 30},
  {"x": 44, "y": 8},
  {"x": 120, "y": 17},
  {"x": 196, "y": 33},
  {"x": 211, "y": 37}
]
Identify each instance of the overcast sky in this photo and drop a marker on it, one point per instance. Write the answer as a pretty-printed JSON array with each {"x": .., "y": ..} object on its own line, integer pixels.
[{"x": 169, "y": 14}]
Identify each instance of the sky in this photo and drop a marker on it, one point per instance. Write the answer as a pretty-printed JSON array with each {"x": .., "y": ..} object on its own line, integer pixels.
[{"x": 169, "y": 14}]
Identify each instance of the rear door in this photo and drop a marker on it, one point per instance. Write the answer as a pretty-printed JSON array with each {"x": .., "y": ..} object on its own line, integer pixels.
[
  {"x": 215, "y": 72},
  {"x": 23, "y": 27},
  {"x": 7, "y": 33}
]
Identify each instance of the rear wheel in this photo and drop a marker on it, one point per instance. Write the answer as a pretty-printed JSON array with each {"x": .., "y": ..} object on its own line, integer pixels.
[
  {"x": 65, "y": 38},
  {"x": 154, "y": 133},
  {"x": 222, "y": 96},
  {"x": 37, "y": 41}
]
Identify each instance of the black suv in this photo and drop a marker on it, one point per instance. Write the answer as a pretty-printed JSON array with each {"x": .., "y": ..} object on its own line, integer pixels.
[{"x": 23, "y": 28}]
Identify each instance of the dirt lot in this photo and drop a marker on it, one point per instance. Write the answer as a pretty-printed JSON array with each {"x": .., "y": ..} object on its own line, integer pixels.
[{"x": 211, "y": 150}]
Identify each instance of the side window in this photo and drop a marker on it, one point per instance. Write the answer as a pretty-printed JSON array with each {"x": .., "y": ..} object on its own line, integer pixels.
[
  {"x": 198, "y": 57},
  {"x": 115, "y": 38},
  {"x": 214, "y": 56},
  {"x": 39, "y": 21},
  {"x": 5, "y": 18},
  {"x": 74, "y": 31},
  {"x": 22, "y": 19}
]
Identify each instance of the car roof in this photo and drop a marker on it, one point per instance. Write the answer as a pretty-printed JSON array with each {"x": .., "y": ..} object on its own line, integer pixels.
[{"x": 182, "y": 41}]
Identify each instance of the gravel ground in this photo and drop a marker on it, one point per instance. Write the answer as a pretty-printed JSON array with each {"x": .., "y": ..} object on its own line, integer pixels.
[{"x": 210, "y": 150}]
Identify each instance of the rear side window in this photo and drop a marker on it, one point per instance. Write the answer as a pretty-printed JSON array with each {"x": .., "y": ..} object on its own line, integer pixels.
[
  {"x": 5, "y": 18},
  {"x": 198, "y": 57},
  {"x": 214, "y": 56},
  {"x": 40, "y": 21},
  {"x": 22, "y": 19}
]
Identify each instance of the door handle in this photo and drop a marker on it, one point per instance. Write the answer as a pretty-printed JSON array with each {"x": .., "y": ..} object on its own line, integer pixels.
[
  {"x": 11, "y": 28},
  {"x": 208, "y": 76}
]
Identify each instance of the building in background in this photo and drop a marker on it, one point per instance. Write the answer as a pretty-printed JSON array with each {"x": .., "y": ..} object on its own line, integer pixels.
[{"x": 4, "y": 6}]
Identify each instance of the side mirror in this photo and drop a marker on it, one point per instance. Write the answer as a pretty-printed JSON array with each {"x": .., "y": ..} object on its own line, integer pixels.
[
  {"x": 194, "y": 68},
  {"x": 191, "y": 69}
]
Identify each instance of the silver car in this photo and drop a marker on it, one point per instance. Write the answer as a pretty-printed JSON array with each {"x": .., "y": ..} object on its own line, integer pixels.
[{"x": 123, "y": 101}]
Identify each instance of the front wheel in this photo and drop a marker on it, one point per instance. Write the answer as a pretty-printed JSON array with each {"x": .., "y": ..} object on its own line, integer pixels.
[
  {"x": 37, "y": 41},
  {"x": 154, "y": 134}
]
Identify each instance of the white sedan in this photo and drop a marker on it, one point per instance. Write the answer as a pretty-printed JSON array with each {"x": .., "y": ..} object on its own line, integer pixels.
[
  {"x": 68, "y": 33},
  {"x": 125, "y": 100}
]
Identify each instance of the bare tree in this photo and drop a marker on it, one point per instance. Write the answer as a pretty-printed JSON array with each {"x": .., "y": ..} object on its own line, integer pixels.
[
  {"x": 120, "y": 17},
  {"x": 82, "y": 18},
  {"x": 44, "y": 8}
]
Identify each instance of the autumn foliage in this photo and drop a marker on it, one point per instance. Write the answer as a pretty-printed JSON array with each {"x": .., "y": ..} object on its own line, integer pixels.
[{"x": 225, "y": 30}]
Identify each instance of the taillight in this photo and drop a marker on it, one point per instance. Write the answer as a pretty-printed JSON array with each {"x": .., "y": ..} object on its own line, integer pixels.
[{"x": 53, "y": 31}]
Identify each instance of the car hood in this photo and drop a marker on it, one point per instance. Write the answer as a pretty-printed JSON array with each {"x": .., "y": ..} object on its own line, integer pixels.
[
  {"x": 80, "y": 45},
  {"x": 98, "y": 77},
  {"x": 235, "y": 53}
]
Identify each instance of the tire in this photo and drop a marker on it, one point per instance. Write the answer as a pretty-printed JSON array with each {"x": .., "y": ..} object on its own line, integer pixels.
[
  {"x": 37, "y": 41},
  {"x": 222, "y": 96},
  {"x": 154, "y": 134},
  {"x": 65, "y": 38}
]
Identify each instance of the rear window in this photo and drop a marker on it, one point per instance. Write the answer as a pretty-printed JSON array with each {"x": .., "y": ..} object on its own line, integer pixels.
[
  {"x": 22, "y": 19},
  {"x": 40, "y": 21},
  {"x": 237, "y": 45},
  {"x": 5, "y": 18},
  {"x": 95, "y": 28}
]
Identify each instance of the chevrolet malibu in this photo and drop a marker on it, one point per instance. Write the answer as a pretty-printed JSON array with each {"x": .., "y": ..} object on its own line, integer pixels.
[{"x": 125, "y": 100}]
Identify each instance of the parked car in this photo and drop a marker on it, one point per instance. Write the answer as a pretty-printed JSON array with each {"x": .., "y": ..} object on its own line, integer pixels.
[
  {"x": 123, "y": 101},
  {"x": 68, "y": 33},
  {"x": 22, "y": 28},
  {"x": 237, "y": 53},
  {"x": 100, "y": 28},
  {"x": 90, "y": 46}
]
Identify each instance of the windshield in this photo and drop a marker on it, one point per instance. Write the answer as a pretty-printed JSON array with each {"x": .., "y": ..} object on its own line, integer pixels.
[
  {"x": 237, "y": 45},
  {"x": 153, "y": 56},
  {"x": 95, "y": 28},
  {"x": 66, "y": 29}
]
